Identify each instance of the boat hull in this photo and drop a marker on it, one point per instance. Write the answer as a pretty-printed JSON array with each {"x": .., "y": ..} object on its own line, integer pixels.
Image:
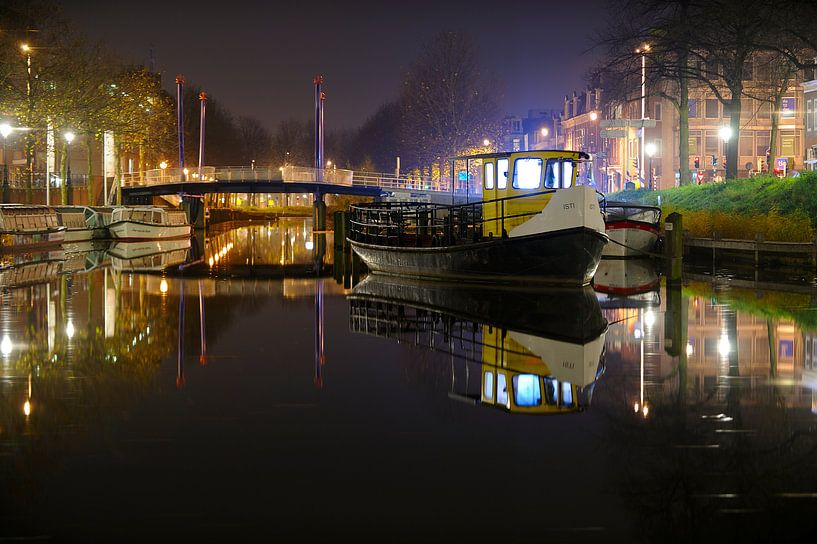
[
  {"x": 134, "y": 230},
  {"x": 630, "y": 238},
  {"x": 564, "y": 257}
]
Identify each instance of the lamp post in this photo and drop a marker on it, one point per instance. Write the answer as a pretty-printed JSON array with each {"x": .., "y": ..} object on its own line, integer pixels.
[
  {"x": 26, "y": 49},
  {"x": 69, "y": 137},
  {"x": 5, "y": 130},
  {"x": 725, "y": 133},
  {"x": 162, "y": 168},
  {"x": 650, "y": 149},
  {"x": 643, "y": 51}
]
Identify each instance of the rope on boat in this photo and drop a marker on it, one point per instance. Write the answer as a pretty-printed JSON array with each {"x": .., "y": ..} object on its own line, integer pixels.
[{"x": 647, "y": 253}]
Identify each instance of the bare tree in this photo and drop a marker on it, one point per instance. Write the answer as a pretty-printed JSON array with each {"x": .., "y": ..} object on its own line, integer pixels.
[{"x": 447, "y": 105}]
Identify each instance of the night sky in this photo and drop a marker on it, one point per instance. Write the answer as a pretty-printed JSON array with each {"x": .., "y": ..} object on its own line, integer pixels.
[{"x": 258, "y": 58}]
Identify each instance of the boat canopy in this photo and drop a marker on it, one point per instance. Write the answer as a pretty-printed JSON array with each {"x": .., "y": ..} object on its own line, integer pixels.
[{"x": 19, "y": 218}]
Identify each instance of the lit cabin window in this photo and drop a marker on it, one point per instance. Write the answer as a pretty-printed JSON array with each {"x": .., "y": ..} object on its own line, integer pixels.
[
  {"x": 551, "y": 390},
  {"x": 551, "y": 174},
  {"x": 567, "y": 174},
  {"x": 526, "y": 173},
  {"x": 501, "y": 173},
  {"x": 567, "y": 394},
  {"x": 526, "y": 390},
  {"x": 502, "y": 389},
  {"x": 489, "y": 175},
  {"x": 488, "y": 387}
]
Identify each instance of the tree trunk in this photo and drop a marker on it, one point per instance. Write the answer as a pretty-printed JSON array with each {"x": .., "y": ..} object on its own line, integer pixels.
[
  {"x": 683, "y": 131},
  {"x": 89, "y": 183},
  {"x": 733, "y": 145},
  {"x": 63, "y": 172},
  {"x": 29, "y": 168},
  {"x": 118, "y": 174},
  {"x": 778, "y": 101}
]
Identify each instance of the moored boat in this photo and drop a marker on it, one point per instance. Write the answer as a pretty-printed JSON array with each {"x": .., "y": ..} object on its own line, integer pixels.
[
  {"x": 82, "y": 223},
  {"x": 627, "y": 283},
  {"x": 29, "y": 227},
  {"x": 633, "y": 229},
  {"x": 148, "y": 223},
  {"x": 526, "y": 232}
]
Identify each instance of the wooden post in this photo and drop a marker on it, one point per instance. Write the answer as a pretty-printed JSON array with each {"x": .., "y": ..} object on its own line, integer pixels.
[{"x": 674, "y": 235}]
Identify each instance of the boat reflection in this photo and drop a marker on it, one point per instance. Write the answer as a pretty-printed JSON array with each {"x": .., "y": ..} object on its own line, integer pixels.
[
  {"x": 627, "y": 283},
  {"x": 537, "y": 351},
  {"x": 148, "y": 255}
]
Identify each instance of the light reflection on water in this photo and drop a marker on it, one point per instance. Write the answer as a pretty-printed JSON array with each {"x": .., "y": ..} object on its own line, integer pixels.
[{"x": 136, "y": 384}]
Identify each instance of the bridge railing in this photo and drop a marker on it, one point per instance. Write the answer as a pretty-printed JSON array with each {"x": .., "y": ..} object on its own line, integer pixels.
[{"x": 158, "y": 176}]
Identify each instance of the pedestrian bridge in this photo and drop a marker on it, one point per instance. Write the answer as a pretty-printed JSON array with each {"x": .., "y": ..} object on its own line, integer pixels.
[{"x": 285, "y": 179}]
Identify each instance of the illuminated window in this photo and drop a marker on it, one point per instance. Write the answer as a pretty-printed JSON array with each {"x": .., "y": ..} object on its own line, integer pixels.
[
  {"x": 567, "y": 174},
  {"x": 489, "y": 175},
  {"x": 567, "y": 394},
  {"x": 559, "y": 173},
  {"x": 526, "y": 390},
  {"x": 526, "y": 173},
  {"x": 488, "y": 387},
  {"x": 502, "y": 389},
  {"x": 501, "y": 173}
]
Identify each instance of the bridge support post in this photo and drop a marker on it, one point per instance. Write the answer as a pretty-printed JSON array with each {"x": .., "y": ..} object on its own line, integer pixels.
[
  {"x": 319, "y": 212},
  {"x": 194, "y": 208}
]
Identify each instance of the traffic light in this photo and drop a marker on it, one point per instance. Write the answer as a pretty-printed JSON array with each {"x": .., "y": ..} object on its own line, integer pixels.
[
  {"x": 714, "y": 161},
  {"x": 697, "y": 162}
]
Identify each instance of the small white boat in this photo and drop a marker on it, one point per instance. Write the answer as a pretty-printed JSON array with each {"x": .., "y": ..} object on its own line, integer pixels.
[
  {"x": 633, "y": 229},
  {"x": 626, "y": 283},
  {"x": 148, "y": 223},
  {"x": 29, "y": 227}
]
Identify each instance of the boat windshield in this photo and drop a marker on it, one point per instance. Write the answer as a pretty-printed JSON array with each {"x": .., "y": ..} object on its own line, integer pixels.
[{"x": 559, "y": 173}]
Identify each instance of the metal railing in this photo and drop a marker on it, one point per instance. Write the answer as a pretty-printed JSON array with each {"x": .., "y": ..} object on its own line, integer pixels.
[
  {"x": 302, "y": 174},
  {"x": 19, "y": 180},
  {"x": 404, "y": 224}
]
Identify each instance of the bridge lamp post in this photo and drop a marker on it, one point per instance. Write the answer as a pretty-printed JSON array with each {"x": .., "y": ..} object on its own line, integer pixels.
[
  {"x": 5, "y": 130},
  {"x": 69, "y": 137},
  {"x": 162, "y": 168}
]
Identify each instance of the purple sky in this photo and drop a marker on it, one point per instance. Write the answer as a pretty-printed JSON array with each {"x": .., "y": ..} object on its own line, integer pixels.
[{"x": 258, "y": 58}]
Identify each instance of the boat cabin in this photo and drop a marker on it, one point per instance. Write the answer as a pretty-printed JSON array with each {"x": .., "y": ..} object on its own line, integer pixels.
[
  {"x": 15, "y": 218},
  {"x": 149, "y": 215},
  {"x": 519, "y": 173}
]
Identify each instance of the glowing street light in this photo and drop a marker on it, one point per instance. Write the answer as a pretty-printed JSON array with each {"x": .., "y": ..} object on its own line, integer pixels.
[
  {"x": 5, "y": 130},
  {"x": 544, "y": 131},
  {"x": 725, "y": 133},
  {"x": 650, "y": 149},
  {"x": 69, "y": 137},
  {"x": 486, "y": 142},
  {"x": 593, "y": 115}
]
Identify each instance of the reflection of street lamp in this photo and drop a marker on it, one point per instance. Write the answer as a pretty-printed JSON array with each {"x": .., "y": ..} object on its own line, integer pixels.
[
  {"x": 650, "y": 149},
  {"x": 5, "y": 130},
  {"x": 725, "y": 133},
  {"x": 69, "y": 137}
]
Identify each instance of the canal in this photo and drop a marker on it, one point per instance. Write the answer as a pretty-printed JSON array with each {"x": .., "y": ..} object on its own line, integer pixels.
[{"x": 242, "y": 389}]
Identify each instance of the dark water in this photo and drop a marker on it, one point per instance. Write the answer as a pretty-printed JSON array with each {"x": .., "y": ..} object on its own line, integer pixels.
[{"x": 248, "y": 399}]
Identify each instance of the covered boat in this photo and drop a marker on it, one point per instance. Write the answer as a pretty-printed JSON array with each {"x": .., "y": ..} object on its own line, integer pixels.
[
  {"x": 148, "y": 223},
  {"x": 633, "y": 229},
  {"x": 29, "y": 227},
  {"x": 82, "y": 223},
  {"x": 525, "y": 231}
]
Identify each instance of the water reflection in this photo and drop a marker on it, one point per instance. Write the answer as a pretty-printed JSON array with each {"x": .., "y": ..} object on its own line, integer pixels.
[
  {"x": 534, "y": 351},
  {"x": 702, "y": 423}
]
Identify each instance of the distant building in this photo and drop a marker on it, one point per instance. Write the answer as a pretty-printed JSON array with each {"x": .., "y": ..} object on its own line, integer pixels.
[
  {"x": 580, "y": 118},
  {"x": 540, "y": 129},
  {"x": 810, "y": 121}
]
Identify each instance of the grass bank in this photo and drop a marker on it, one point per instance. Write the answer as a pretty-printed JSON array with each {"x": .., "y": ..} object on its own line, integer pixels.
[{"x": 778, "y": 209}]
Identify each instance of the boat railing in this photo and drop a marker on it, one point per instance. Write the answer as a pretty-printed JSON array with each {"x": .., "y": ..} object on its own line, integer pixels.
[{"x": 418, "y": 224}]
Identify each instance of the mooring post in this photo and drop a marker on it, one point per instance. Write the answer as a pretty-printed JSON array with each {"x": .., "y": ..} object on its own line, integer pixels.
[{"x": 674, "y": 237}]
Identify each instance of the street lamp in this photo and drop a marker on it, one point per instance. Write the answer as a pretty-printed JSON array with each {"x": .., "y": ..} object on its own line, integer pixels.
[
  {"x": 544, "y": 131},
  {"x": 643, "y": 51},
  {"x": 69, "y": 137},
  {"x": 650, "y": 149},
  {"x": 5, "y": 130},
  {"x": 162, "y": 168},
  {"x": 593, "y": 116},
  {"x": 486, "y": 142},
  {"x": 725, "y": 133}
]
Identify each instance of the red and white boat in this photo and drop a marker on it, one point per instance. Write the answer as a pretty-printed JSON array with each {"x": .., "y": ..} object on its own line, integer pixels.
[{"x": 633, "y": 229}]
